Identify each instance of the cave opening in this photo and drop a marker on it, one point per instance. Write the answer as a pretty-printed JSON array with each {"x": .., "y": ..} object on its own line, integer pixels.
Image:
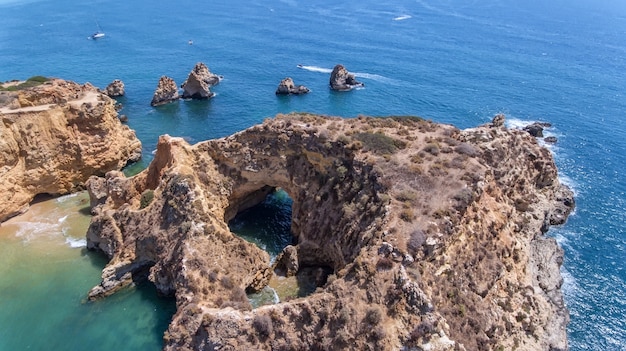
[{"x": 268, "y": 225}]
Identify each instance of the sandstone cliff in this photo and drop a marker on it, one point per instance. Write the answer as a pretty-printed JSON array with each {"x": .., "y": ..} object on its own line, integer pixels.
[
  {"x": 53, "y": 137},
  {"x": 433, "y": 237}
]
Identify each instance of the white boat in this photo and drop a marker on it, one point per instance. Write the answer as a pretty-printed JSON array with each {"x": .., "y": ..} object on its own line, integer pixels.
[{"x": 98, "y": 34}]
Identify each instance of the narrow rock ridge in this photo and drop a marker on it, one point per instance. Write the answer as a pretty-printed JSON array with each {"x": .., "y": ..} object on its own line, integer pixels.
[
  {"x": 53, "y": 137},
  {"x": 434, "y": 236}
]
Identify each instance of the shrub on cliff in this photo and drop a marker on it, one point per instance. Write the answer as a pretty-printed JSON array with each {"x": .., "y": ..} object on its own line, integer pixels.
[
  {"x": 146, "y": 198},
  {"x": 263, "y": 325},
  {"x": 30, "y": 82},
  {"x": 416, "y": 241},
  {"x": 380, "y": 143}
]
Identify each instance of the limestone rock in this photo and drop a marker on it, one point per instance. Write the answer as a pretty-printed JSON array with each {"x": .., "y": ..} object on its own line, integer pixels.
[
  {"x": 199, "y": 82},
  {"x": 498, "y": 120},
  {"x": 115, "y": 88},
  {"x": 287, "y": 87},
  {"x": 287, "y": 261},
  {"x": 66, "y": 133},
  {"x": 480, "y": 274},
  {"x": 342, "y": 80},
  {"x": 166, "y": 92}
]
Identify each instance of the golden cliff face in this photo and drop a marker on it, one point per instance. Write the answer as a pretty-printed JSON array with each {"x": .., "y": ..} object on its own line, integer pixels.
[
  {"x": 433, "y": 236},
  {"x": 53, "y": 137}
]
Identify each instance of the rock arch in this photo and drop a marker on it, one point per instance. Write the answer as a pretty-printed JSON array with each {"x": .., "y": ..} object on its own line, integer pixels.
[{"x": 416, "y": 219}]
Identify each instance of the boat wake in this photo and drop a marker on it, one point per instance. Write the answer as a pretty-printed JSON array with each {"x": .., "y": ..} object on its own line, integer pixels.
[
  {"x": 370, "y": 76},
  {"x": 316, "y": 69},
  {"x": 402, "y": 18}
]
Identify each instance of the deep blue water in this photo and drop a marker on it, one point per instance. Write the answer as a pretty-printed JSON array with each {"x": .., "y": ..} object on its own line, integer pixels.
[{"x": 456, "y": 62}]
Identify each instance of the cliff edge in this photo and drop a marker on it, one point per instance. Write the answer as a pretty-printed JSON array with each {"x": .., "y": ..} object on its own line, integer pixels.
[
  {"x": 53, "y": 137},
  {"x": 424, "y": 236}
]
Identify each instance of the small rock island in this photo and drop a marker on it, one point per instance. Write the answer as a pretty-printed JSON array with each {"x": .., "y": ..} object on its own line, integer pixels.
[
  {"x": 431, "y": 237},
  {"x": 342, "y": 80}
]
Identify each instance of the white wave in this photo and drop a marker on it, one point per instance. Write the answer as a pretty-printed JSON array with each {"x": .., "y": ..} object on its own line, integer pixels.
[
  {"x": 276, "y": 297},
  {"x": 402, "y": 18},
  {"x": 570, "y": 183},
  {"x": 76, "y": 242},
  {"x": 316, "y": 69},
  {"x": 62, "y": 219},
  {"x": 570, "y": 287},
  {"x": 515, "y": 123},
  {"x": 30, "y": 230},
  {"x": 65, "y": 198}
]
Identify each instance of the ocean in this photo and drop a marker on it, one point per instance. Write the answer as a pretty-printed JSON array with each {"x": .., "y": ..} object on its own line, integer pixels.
[{"x": 451, "y": 61}]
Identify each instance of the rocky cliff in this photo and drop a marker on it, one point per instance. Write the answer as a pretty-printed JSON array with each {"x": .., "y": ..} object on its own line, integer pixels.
[
  {"x": 424, "y": 236},
  {"x": 53, "y": 137}
]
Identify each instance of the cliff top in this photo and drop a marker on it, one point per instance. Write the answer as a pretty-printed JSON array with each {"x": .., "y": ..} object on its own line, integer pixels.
[
  {"x": 419, "y": 235},
  {"x": 41, "y": 94}
]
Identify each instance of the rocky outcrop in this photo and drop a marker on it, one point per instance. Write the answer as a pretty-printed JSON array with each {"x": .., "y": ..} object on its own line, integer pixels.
[
  {"x": 433, "y": 236},
  {"x": 287, "y": 87},
  {"x": 53, "y": 137},
  {"x": 199, "y": 82},
  {"x": 342, "y": 80},
  {"x": 166, "y": 92},
  {"x": 115, "y": 88},
  {"x": 536, "y": 129}
]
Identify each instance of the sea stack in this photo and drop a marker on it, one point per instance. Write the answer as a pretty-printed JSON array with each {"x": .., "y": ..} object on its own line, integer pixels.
[
  {"x": 424, "y": 236},
  {"x": 166, "y": 92},
  {"x": 115, "y": 88},
  {"x": 287, "y": 87},
  {"x": 54, "y": 137},
  {"x": 342, "y": 80},
  {"x": 199, "y": 82}
]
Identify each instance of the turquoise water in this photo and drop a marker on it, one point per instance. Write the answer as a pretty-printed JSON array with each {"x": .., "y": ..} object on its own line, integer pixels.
[
  {"x": 45, "y": 272},
  {"x": 451, "y": 61}
]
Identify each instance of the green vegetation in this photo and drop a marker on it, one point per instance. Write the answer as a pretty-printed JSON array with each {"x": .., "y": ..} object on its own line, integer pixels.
[
  {"x": 30, "y": 82},
  {"x": 380, "y": 143},
  {"x": 146, "y": 198}
]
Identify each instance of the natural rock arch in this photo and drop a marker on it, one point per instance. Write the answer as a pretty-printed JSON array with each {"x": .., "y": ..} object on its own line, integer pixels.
[{"x": 421, "y": 224}]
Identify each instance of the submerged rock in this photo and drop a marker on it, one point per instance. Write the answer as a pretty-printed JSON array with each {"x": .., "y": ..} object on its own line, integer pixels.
[
  {"x": 199, "y": 82},
  {"x": 59, "y": 134},
  {"x": 166, "y": 92},
  {"x": 287, "y": 87},
  {"x": 342, "y": 80},
  {"x": 440, "y": 250},
  {"x": 115, "y": 88}
]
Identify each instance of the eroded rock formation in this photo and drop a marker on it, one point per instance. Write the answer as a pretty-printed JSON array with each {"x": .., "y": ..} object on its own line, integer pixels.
[
  {"x": 199, "y": 82},
  {"x": 342, "y": 80},
  {"x": 434, "y": 236},
  {"x": 166, "y": 92},
  {"x": 287, "y": 86},
  {"x": 115, "y": 88},
  {"x": 53, "y": 137}
]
